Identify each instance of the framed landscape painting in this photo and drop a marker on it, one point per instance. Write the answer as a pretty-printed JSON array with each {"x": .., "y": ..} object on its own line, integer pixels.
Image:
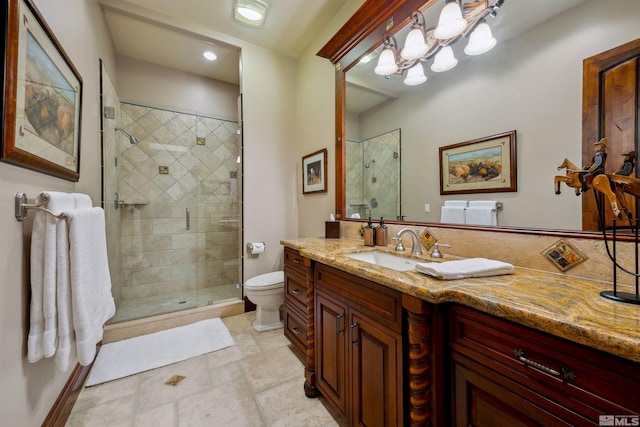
[
  {"x": 42, "y": 97},
  {"x": 484, "y": 165}
]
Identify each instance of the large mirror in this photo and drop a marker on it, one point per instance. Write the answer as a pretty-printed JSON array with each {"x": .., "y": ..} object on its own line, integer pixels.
[{"x": 531, "y": 82}]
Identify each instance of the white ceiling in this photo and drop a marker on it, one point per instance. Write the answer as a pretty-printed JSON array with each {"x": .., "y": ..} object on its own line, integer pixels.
[{"x": 175, "y": 33}]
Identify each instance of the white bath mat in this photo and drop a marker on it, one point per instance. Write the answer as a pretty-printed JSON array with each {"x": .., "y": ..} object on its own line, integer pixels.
[{"x": 127, "y": 357}]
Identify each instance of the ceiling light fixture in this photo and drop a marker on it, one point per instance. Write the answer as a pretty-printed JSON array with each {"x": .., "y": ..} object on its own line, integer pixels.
[
  {"x": 422, "y": 43},
  {"x": 251, "y": 12},
  {"x": 210, "y": 56}
]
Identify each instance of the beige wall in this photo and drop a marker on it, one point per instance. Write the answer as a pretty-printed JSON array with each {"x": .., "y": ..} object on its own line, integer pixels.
[
  {"x": 29, "y": 390},
  {"x": 138, "y": 81},
  {"x": 315, "y": 124}
]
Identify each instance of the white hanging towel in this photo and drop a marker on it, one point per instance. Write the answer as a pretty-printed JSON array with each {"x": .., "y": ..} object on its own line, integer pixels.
[
  {"x": 482, "y": 212},
  {"x": 91, "y": 299},
  {"x": 49, "y": 242},
  {"x": 66, "y": 340},
  {"x": 453, "y": 212}
]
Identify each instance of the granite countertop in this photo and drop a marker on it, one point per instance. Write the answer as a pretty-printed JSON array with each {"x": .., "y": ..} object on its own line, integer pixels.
[{"x": 563, "y": 306}]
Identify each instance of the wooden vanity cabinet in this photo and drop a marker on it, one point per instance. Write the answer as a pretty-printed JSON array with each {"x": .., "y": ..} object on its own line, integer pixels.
[
  {"x": 505, "y": 374},
  {"x": 298, "y": 311},
  {"x": 358, "y": 344}
]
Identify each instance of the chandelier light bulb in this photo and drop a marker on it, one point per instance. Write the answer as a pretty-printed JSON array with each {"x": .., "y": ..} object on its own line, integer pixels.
[
  {"x": 444, "y": 60},
  {"x": 414, "y": 45},
  {"x": 415, "y": 75},
  {"x": 480, "y": 41},
  {"x": 386, "y": 63},
  {"x": 451, "y": 22}
]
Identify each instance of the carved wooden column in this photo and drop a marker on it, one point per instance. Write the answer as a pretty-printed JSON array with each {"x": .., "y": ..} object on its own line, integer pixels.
[
  {"x": 418, "y": 362},
  {"x": 310, "y": 389}
]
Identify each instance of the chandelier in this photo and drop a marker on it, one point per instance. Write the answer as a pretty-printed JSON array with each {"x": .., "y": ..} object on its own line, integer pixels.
[{"x": 422, "y": 44}]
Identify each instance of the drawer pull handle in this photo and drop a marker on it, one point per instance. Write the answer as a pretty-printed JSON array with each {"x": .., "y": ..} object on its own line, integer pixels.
[
  {"x": 566, "y": 373},
  {"x": 354, "y": 333},
  {"x": 297, "y": 261},
  {"x": 295, "y": 330},
  {"x": 339, "y": 330},
  {"x": 296, "y": 291}
]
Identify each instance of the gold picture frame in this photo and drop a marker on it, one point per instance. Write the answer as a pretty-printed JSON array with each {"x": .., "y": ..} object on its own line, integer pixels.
[
  {"x": 42, "y": 97},
  {"x": 484, "y": 165}
]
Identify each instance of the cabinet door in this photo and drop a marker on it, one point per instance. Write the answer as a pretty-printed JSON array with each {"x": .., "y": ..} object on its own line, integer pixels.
[
  {"x": 376, "y": 373},
  {"x": 483, "y": 398},
  {"x": 331, "y": 357}
]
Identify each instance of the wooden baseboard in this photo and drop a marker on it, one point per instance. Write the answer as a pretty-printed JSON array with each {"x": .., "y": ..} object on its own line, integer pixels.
[{"x": 61, "y": 409}]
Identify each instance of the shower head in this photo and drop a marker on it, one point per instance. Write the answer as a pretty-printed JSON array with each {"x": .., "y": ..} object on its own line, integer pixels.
[{"x": 132, "y": 139}]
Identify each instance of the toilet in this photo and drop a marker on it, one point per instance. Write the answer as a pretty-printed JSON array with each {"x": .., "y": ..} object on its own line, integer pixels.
[{"x": 266, "y": 291}]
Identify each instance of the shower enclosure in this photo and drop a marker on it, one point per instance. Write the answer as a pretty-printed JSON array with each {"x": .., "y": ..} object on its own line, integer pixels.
[
  {"x": 373, "y": 176},
  {"x": 172, "y": 200}
]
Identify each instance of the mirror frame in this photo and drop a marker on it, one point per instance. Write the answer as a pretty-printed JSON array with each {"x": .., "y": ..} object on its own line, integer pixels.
[{"x": 360, "y": 35}]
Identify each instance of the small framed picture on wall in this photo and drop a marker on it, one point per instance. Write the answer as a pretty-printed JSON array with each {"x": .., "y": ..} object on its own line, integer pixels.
[{"x": 314, "y": 172}]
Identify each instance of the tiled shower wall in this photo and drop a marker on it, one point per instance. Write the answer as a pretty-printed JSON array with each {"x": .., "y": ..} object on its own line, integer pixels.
[
  {"x": 183, "y": 161},
  {"x": 379, "y": 181}
]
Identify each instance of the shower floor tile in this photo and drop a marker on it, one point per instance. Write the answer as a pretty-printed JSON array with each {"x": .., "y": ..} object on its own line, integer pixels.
[
  {"x": 139, "y": 308},
  {"x": 257, "y": 382}
]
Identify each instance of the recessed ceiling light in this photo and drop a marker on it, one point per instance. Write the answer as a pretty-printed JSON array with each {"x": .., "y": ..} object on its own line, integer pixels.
[
  {"x": 250, "y": 12},
  {"x": 210, "y": 55},
  {"x": 365, "y": 59}
]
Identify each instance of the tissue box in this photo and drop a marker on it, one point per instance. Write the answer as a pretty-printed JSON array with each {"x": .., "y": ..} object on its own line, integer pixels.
[{"x": 332, "y": 229}]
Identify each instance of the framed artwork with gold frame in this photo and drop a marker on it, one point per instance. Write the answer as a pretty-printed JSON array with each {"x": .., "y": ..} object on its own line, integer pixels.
[{"x": 42, "y": 97}]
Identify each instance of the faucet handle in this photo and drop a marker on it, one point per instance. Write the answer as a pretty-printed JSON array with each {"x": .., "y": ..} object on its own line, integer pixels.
[
  {"x": 435, "y": 253},
  {"x": 399, "y": 246}
]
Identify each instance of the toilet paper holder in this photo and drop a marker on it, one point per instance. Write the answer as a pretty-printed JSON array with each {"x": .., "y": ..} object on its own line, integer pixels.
[{"x": 256, "y": 247}]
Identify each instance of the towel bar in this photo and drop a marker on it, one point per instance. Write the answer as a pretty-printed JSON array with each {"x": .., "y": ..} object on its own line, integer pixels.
[{"x": 22, "y": 206}]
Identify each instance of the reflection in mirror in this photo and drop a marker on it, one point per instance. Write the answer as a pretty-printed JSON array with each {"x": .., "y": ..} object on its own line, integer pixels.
[
  {"x": 373, "y": 176},
  {"x": 531, "y": 82}
]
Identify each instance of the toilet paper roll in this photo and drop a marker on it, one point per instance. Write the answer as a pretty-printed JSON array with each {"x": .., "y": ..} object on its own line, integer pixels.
[{"x": 256, "y": 248}]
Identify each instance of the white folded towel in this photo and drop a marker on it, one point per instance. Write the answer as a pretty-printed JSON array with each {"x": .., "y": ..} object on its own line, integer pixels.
[
  {"x": 91, "y": 299},
  {"x": 460, "y": 269},
  {"x": 452, "y": 215},
  {"x": 456, "y": 203},
  {"x": 66, "y": 340},
  {"x": 482, "y": 212},
  {"x": 49, "y": 240}
]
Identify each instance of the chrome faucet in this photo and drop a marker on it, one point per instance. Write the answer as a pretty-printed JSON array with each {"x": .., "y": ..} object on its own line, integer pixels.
[{"x": 416, "y": 248}]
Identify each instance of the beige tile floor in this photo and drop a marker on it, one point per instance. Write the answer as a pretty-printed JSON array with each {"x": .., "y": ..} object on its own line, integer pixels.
[{"x": 257, "y": 382}]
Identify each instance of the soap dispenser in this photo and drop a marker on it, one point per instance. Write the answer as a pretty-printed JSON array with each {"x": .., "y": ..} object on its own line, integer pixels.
[
  {"x": 381, "y": 233},
  {"x": 369, "y": 234}
]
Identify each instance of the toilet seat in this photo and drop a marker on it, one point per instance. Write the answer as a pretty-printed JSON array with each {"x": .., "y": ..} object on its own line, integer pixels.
[{"x": 266, "y": 281}]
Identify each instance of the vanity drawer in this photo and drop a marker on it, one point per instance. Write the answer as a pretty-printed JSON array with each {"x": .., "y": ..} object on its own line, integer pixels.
[
  {"x": 296, "y": 262},
  {"x": 587, "y": 381},
  {"x": 296, "y": 289},
  {"x": 295, "y": 327}
]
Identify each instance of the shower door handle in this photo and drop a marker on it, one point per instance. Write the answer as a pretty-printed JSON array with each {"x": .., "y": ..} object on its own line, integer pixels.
[{"x": 188, "y": 217}]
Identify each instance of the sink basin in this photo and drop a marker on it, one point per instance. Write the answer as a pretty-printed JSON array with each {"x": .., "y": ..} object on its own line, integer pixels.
[{"x": 383, "y": 259}]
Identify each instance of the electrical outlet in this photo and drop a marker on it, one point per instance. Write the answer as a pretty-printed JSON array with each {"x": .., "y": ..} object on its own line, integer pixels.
[{"x": 427, "y": 208}]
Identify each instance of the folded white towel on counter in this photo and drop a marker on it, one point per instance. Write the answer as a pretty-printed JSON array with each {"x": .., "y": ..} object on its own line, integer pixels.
[
  {"x": 91, "y": 299},
  {"x": 470, "y": 267}
]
